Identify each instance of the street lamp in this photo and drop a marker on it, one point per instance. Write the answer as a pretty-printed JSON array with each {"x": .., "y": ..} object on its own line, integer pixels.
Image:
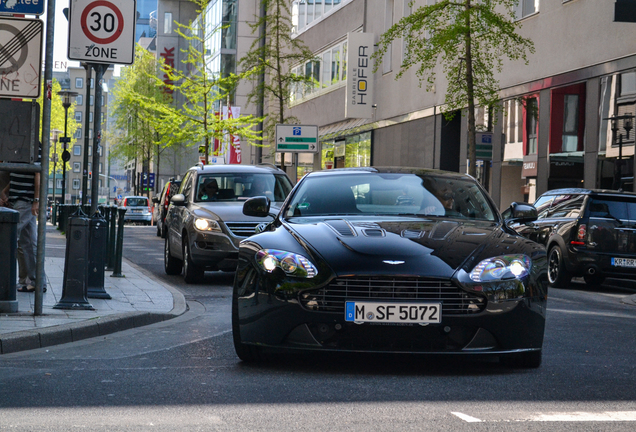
[
  {"x": 68, "y": 97},
  {"x": 56, "y": 134}
]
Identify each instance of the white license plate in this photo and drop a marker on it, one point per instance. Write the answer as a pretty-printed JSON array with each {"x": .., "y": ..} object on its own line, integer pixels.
[
  {"x": 387, "y": 312},
  {"x": 624, "y": 262}
]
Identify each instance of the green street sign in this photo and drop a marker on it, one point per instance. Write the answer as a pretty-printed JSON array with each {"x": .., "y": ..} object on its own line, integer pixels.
[{"x": 297, "y": 138}]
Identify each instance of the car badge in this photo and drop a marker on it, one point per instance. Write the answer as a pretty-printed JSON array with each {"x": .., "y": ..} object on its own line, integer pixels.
[
  {"x": 261, "y": 227},
  {"x": 393, "y": 262}
]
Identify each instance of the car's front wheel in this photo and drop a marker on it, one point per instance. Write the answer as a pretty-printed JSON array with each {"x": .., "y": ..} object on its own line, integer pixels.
[
  {"x": 171, "y": 265},
  {"x": 247, "y": 353},
  {"x": 558, "y": 275},
  {"x": 192, "y": 273}
]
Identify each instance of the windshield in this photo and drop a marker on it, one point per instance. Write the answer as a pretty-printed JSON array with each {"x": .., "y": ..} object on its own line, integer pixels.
[
  {"x": 238, "y": 187},
  {"x": 136, "y": 202},
  {"x": 390, "y": 194}
]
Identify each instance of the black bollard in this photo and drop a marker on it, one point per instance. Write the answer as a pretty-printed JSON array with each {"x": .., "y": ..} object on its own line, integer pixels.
[
  {"x": 61, "y": 223},
  {"x": 97, "y": 255},
  {"x": 106, "y": 213},
  {"x": 8, "y": 246},
  {"x": 76, "y": 265},
  {"x": 120, "y": 243},
  {"x": 111, "y": 238},
  {"x": 53, "y": 214}
]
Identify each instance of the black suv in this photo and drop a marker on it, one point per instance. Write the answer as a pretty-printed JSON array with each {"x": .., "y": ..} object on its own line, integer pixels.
[
  {"x": 588, "y": 233},
  {"x": 205, "y": 220},
  {"x": 170, "y": 189}
]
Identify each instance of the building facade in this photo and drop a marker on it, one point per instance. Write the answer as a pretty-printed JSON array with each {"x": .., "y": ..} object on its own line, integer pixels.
[{"x": 551, "y": 131}]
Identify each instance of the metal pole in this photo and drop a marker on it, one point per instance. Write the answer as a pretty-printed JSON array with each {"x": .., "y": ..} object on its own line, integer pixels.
[
  {"x": 64, "y": 153},
  {"x": 44, "y": 173},
  {"x": 89, "y": 71},
  {"x": 97, "y": 134}
]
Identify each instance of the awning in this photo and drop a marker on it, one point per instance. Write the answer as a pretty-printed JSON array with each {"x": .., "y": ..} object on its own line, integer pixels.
[
  {"x": 345, "y": 128},
  {"x": 575, "y": 157}
]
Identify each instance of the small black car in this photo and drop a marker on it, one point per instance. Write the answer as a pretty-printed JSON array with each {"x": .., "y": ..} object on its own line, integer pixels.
[
  {"x": 205, "y": 221},
  {"x": 390, "y": 260},
  {"x": 588, "y": 233}
]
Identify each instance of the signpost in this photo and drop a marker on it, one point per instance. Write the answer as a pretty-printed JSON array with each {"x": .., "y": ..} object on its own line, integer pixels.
[
  {"x": 102, "y": 31},
  {"x": 296, "y": 138},
  {"x": 20, "y": 57},
  {"x": 483, "y": 145}
]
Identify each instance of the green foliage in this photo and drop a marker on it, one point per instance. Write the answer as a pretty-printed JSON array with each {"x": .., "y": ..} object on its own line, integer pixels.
[
  {"x": 196, "y": 122},
  {"x": 469, "y": 39},
  {"x": 274, "y": 53}
]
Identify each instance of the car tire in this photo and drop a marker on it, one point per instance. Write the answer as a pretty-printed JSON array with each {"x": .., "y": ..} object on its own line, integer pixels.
[
  {"x": 192, "y": 273},
  {"x": 171, "y": 265},
  {"x": 525, "y": 360},
  {"x": 595, "y": 280},
  {"x": 158, "y": 231},
  {"x": 558, "y": 275},
  {"x": 247, "y": 353}
]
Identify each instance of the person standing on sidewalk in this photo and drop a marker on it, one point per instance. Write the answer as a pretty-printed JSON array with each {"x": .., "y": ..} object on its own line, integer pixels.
[{"x": 23, "y": 195}]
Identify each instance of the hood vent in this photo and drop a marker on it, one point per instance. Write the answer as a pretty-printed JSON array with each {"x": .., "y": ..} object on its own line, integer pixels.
[
  {"x": 442, "y": 230},
  {"x": 374, "y": 232},
  {"x": 412, "y": 234},
  {"x": 342, "y": 227}
]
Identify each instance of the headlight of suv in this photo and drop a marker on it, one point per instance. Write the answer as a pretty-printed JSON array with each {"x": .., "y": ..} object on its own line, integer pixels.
[
  {"x": 292, "y": 264},
  {"x": 206, "y": 225},
  {"x": 501, "y": 268}
]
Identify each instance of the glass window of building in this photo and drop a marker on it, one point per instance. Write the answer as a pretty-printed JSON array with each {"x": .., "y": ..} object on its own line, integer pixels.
[
  {"x": 78, "y": 116},
  {"x": 91, "y": 99},
  {"x": 532, "y": 124},
  {"x": 79, "y": 99},
  {"x": 77, "y": 150},
  {"x": 167, "y": 22},
  {"x": 628, "y": 83},
  {"x": 78, "y": 132},
  {"x": 332, "y": 63},
  {"x": 76, "y": 184},
  {"x": 77, "y": 166},
  {"x": 571, "y": 123},
  {"x": 79, "y": 83},
  {"x": 305, "y": 12},
  {"x": 526, "y": 7},
  {"x": 90, "y": 116},
  {"x": 352, "y": 151}
]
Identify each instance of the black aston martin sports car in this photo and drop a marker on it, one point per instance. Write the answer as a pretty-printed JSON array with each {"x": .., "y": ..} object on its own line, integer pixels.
[{"x": 390, "y": 260}]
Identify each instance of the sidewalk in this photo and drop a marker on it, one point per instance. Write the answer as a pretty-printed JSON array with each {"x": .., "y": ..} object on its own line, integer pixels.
[{"x": 138, "y": 299}]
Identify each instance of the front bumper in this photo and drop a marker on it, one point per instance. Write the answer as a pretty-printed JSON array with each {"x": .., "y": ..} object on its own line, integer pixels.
[{"x": 265, "y": 319}]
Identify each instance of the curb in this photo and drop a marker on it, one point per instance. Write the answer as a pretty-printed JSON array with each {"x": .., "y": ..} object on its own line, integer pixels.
[
  {"x": 55, "y": 335},
  {"x": 629, "y": 300}
]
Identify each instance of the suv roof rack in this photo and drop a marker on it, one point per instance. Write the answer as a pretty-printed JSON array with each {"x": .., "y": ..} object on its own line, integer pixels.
[
  {"x": 268, "y": 164},
  {"x": 200, "y": 165}
]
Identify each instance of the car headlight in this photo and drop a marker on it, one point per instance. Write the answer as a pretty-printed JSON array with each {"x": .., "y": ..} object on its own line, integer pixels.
[
  {"x": 292, "y": 264},
  {"x": 503, "y": 267},
  {"x": 206, "y": 225}
]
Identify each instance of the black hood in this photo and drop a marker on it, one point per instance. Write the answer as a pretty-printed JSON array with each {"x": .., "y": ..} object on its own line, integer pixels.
[{"x": 435, "y": 248}]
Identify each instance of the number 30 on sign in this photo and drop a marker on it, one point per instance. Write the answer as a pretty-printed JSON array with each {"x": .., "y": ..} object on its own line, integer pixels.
[{"x": 102, "y": 31}]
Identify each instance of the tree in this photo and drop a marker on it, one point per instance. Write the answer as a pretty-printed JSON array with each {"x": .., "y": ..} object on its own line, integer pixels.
[
  {"x": 273, "y": 54},
  {"x": 203, "y": 90},
  {"x": 469, "y": 38},
  {"x": 137, "y": 106}
]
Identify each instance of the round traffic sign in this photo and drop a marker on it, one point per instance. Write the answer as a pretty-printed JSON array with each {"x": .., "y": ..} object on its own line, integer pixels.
[
  {"x": 66, "y": 156},
  {"x": 102, "y": 22}
]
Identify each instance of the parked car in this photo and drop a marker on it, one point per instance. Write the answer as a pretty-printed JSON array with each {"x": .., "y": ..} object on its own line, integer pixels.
[
  {"x": 163, "y": 202},
  {"x": 588, "y": 233},
  {"x": 137, "y": 209},
  {"x": 350, "y": 264},
  {"x": 205, "y": 222}
]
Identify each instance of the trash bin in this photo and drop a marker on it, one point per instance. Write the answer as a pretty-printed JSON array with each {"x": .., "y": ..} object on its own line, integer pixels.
[{"x": 8, "y": 265}]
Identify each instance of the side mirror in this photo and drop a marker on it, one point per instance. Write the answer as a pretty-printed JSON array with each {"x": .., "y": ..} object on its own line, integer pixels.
[
  {"x": 520, "y": 212},
  {"x": 178, "y": 200},
  {"x": 257, "y": 206}
]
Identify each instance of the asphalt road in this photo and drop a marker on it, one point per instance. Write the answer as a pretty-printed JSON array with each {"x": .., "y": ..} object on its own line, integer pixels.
[{"x": 183, "y": 374}]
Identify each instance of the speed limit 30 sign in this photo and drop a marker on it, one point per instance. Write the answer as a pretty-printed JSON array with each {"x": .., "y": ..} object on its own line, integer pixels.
[{"x": 102, "y": 31}]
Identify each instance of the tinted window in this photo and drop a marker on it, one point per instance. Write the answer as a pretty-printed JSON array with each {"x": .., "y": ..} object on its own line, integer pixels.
[
  {"x": 389, "y": 194},
  {"x": 136, "y": 202},
  {"x": 607, "y": 208},
  {"x": 543, "y": 205},
  {"x": 238, "y": 187},
  {"x": 566, "y": 206}
]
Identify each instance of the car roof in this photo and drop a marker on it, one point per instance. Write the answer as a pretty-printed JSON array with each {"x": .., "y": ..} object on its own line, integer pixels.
[
  {"x": 390, "y": 169},
  {"x": 135, "y": 196},
  {"x": 237, "y": 169},
  {"x": 582, "y": 191}
]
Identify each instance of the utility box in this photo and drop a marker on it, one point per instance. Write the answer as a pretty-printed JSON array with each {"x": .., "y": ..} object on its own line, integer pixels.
[{"x": 8, "y": 246}]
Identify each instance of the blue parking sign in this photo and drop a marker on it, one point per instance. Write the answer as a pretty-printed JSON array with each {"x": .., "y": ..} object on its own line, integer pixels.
[{"x": 297, "y": 131}]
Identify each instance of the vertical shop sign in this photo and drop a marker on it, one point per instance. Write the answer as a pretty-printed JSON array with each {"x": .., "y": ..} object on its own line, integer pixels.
[{"x": 359, "y": 99}]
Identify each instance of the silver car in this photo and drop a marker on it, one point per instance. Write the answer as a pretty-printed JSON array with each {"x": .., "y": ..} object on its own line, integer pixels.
[
  {"x": 205, "y": 220},
  {"x": 137, "y": 209}
]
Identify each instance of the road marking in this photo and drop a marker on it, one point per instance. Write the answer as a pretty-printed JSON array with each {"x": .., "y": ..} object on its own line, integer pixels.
[
  {"x": 579, "y": 416},
  {"x": 601, "y": 314},
  {"x": 466, "y": 417}
]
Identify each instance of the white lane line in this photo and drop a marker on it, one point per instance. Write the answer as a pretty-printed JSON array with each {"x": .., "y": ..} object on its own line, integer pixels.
[
  {"x": 579, "y": 416},
  {"x": 601, "y": 314},
  {"x": 466, "y": 417}
]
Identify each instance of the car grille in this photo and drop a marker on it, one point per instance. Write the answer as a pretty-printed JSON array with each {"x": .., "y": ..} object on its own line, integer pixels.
[
  {"x": 332, "y": 297},
  {"x": 242, "y": 229}
]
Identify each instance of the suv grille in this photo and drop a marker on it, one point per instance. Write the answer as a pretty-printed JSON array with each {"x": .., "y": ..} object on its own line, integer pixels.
[
  {"x": 242, "y": 229},
  {"x": 332, "y": 297}
]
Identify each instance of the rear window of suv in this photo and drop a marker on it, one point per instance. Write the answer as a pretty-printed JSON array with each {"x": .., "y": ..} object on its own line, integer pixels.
[{"x": 613, "y": 209}]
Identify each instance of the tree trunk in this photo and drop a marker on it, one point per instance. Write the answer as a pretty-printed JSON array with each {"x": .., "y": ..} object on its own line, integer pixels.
[{"x": 470, "y": 93}]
